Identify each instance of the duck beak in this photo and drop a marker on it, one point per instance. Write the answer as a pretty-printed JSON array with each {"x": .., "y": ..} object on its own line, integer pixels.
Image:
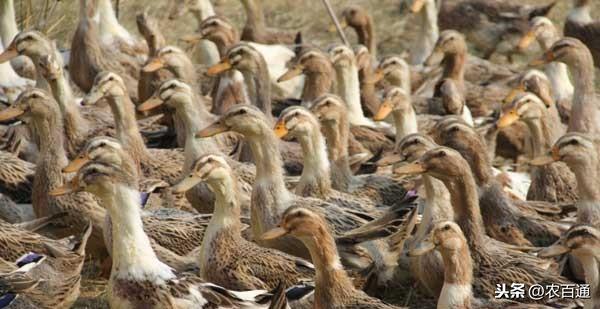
[
  {"x": 547, "y": 159},
  {"x": 390, "y": 159},
  {"x": 333, "y": 28},
  {"x": 280, "y": 130},
  {"x": 67, "y": 188},
  {"x": 10, "y": 113},
  {"x": 154, "y": 65},
  {"x": 422, "y": 248},
  {"x": 9, "y": 53},
  {"x": 434, "y": 58},
  {"x": 186, "y": 184},
  {"x": 378, "y": 75},
  {"x": 417, "y": 6},
  {"x": 222, "y": 66},
  {"x": 212, "y": 130},
  {"x": 513, "y": 93},
  {"x": 76, "y": 164},
  {"x": 291, "y": 73},
  {"x": 274, "y": 233},
  {"x": 546, "y": 58},
  {"x": 554, "y": 250},
  {"x": 526, "y": 40},
  {"x": 150, "y": 104},
  {"x": 508, "y": 119},
  {"x": 384, "y": 110},
  {"x": 92, "y": 97},
  {"x": 411, "y": 169},
  {"x": 192, "y": 38}
]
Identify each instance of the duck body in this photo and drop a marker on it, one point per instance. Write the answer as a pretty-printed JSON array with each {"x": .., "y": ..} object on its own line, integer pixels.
[{"x": 580, "y": 25}]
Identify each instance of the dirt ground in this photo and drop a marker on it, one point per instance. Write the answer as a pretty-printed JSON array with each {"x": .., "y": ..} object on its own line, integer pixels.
[{"x": 393, "y": 27}]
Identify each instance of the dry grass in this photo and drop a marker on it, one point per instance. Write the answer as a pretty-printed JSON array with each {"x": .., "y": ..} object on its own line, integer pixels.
[{"x": 393, "y": 27}]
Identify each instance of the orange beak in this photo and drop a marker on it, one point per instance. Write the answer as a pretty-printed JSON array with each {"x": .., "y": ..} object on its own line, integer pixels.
[
  {"x": 154, "y": 65},
  {"x": 411, "y": 169},
  {"x": 274, "y": 233},
  {"x": 546, "y": 58},
  {"x": 417, "y": 6},
  {"x": 508, "y": 119},
  {"x": 526, "y": 40},
  {"x": 280, "y": 130},
  {"x": 378, "y": 75},
  {"x": 192, "y": 38},
  {"x": 222, "y": 66},
  {"x": 76, "y": 164},
  {"x": 67, "y": 188},
  {"x": 547, "y": 159},
  {"x": 291, "y": 73},
  {"x": 384, "y": 110},
  {"x": 212, "y": 130},
  {"x": 9, "y": 53},
  {"x": 513, "y": 93},
  {"x": 150, "y": 104},
  {"x": 10, "y": 113}
]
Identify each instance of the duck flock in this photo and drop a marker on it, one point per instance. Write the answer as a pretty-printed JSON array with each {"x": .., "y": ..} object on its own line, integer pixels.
[{"x": 275, "y": 172}]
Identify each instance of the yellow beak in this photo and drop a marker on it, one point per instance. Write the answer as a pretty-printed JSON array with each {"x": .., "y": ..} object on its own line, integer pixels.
[
  {"x": 154, "y": 65},
  {"x": 212, "y": 130},
  {"x": 526, "y": 40},
  {"x": 150, "y": 104},
  {"x": 10, "y": 113},
  {"x": 186, "y": 184},
  {"x": 222, "y": 66},
  {"x": 390, "y": 159},
  {"x": 547, "y": 159},
  {"x": 192, "y": 38},
  {"x": 508, "y": 119},
  {"x": 417, "y": 6},
  {"x": 546, "y": 58},
  {"x": 411, "y": 169},
  {"x": 67, "y": 188},
  {"x": 343, "y": 25},
  {"x": 513, "y": 93},
  {"x": 554, "y": 250},
  {"x": 9, "y": 53},
  {"x": 76, "y": 164},
  {"x": 274, "y": 233},
  {"x": 280, "y": 130},
  {"x": 378, "y": 75},
  {"x": 422, "y": 248},
  {"x": 291, "y": 73},
  {"x": 384, "y": 110}
]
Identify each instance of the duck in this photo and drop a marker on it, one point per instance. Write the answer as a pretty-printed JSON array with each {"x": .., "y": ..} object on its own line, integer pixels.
[
  {"x": 55, "y": 264},
  {"x": 359, "y": 19},
  {"x": 201, "y": 10},
  {"x": 580, "y": 25},
  {"x": 578, "y": 151},
  {"x": 506, "y": 219},
  {"x": 583, "y": 242},
  {"x": 584, "y": 112},
  {"x": 39, "y": 110},
  {"x": 16, "y": 177},
  {"x": 426, "y": 12},
  {"x": 366, "y": 76},
  {"x": 318, "y": 73},
  {"x": 223, "y": 34},
  {"x": 80, "y": 122},
  {"x": 21, "y": 70},
  {"x": 14, "y": 277},
  {"x": 492, "y": 262},
  {"x": 332, "y": 114},
  {"x": 225, "y": 257},
  {"x": 137, "y": 266},
  {"x": 256, "y": 30},
  {"x": 398, "y": 103},
  {"x": 447, "y": 238},
  {"x": 270, "y": 197},
  {"x": 555, "y": 183},
  {"x": 315, "y": 181},
  {"x": 543, "y": 30},
  {"x": 114, "y": 35},
  {"x": 395, "y": 71},
  {"x": 90, "y": 56},
  {"x": 427, "y": 268},
  {"x": 333, "y": 286},
  {"x": 181, "y": 99}
]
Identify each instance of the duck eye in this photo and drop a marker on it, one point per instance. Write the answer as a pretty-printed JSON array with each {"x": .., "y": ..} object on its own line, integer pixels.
[
  {"x": 35, "y": 96},
  {"x": 574, "y": 142},
  {"x": 441, "y": 154},
  {"x": 446, "y": 228}
]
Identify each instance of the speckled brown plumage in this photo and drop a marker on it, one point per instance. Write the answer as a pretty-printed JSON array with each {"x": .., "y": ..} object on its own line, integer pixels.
[{"x": 16, "y": 177}]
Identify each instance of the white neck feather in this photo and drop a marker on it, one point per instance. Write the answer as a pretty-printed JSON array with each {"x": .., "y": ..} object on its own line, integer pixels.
[
  {"x": 454, "y": 295},
  {"x": 428, "y": 34},
  {"x": 316, "y": 162},
  {"x": 591, "y": 267},
  {"x": 349, "y": 90},
  {"x": 8, "y": 23},
  {"x": 108, "y": 25},
  {"x": 133, "y": 257},
  {"x": 192, "y": 120},
  {"x": 405, "y": 122},
  {"x": 580, "y": 15},
  {"x": 205, "y": 9},
  {"x": 437, "y": 208},
  {"x": 466, "y": 116},
  {"x": 558, "y": 74},
  {"x": 208, "y": 52}
]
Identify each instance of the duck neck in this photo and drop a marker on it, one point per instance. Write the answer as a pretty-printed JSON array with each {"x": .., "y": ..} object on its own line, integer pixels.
[
  {"x": 108, "y": 25},
  {"x": 50, "y": 141},
  {"x": 332, "y": 284},
  {"x": 349, "y": 90},
  {"x": 202, "y": 10},
  {"x": 366, "y": 36},
  {"x": 543, "y": 132},
  {"x": 454, "y": 67},
  {"x": 587, "y": 184},
  {"x": 133, "y": 257},
  {"x": 255, "y": 18},
  {"x": 562, "y": 88},
  {"x": 591, "y": 268},
  {"x": 269, "y": 165},
  {"x": 315, "y": 180},
  {"x": 458, "y": 278},
  {"x": 405, "y": 121},
  {"x": 337, "y": 139},
  {"x": 8, "y": 23},
  {"x": 194, "y": 117},
  {"x": 580, "y": 14},
  {"x": 428, "y": 33},
  {"x": 223, "y": 41},
  {"x": 258, "y": 86},
  {"x": 126, "y": 127},
  {"x": 438, "y": 206},
  {"x": 584, "y": 101},
  {"x": 465, "y": 203},
  {"x": 316, "y": 84}
]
